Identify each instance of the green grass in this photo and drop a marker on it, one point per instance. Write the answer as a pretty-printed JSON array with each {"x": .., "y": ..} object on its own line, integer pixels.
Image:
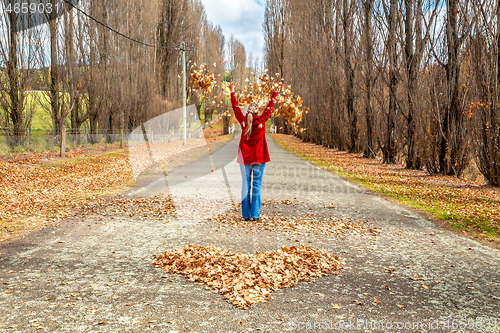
[
  {"x": 39, "y": 103},
  {"x": 116, "y": 153}
]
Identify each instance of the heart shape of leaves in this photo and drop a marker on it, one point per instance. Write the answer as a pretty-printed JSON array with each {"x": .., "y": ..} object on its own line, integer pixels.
[{"x": 248, "y": 279}]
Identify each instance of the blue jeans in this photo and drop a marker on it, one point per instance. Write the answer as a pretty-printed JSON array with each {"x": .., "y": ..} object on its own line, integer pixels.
[{"x": 250, "y": 202}]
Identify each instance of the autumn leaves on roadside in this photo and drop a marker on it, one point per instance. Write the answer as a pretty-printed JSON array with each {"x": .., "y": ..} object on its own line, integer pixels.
[{"x": 288, "y": 104}]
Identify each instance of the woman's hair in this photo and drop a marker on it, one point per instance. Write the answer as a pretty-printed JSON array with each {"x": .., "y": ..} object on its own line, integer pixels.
[
  {"x": 252, "y": 110},
  {"x": 248, "y": 129}
]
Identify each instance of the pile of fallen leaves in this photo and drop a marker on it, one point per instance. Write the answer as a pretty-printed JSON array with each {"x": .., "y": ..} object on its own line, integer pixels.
[
  {"x": 465, "y": 205},
  {"x": 158, "y": 207},
  {"x": 248, "y": 279},
  {"x": 300, "y": 221}
]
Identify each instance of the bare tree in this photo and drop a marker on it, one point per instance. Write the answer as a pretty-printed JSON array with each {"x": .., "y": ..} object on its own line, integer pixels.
[
  {"x": 277, "y": 18},
  {"x": 484, "y": 57},
  {"x": 238, "y": 60},
  {"x": 77, "y": 114},
  {"x": 413, "y": 85},
  {"x": 21, "y": 54},
  {"x": 367, "y": 10},
  {"x": 452, "y": 153},
  {"x": 348, "y": 9}
]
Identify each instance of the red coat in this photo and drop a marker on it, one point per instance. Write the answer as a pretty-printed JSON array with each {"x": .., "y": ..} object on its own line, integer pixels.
[{"x": 254, "y": 149}]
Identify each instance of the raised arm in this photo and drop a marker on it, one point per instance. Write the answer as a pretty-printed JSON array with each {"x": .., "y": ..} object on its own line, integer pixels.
[
  {"x": 234, "y": 103},
  {"x": 269, "y": 108}
]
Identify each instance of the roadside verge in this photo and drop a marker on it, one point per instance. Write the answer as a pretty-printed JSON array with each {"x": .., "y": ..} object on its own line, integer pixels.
[
  {"x": 461, "y": 205},
  {"x": 36, "y": 193}
]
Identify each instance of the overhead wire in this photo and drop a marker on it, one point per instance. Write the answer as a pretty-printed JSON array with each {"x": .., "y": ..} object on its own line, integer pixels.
[{"x": 174, "y": 47}]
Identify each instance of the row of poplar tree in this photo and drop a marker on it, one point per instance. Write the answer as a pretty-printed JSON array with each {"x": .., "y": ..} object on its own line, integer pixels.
[
  {"x": 86, "y": 75},
  {"x": 416, "y": 81}
]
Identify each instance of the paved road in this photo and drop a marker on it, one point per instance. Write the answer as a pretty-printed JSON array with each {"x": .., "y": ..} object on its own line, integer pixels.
[{"x": 93, "y": 274}]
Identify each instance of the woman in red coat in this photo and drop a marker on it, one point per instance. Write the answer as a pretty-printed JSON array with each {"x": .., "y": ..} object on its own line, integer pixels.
[{"x": 253, "y": 153}]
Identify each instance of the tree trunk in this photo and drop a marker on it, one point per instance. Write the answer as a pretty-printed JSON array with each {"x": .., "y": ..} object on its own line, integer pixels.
[
  {"x": 92, "y": 111},
  {"x": 225, "y": 121},
  {"x": 15, "y": 106},
  {"x": 369, "y": 148},
  {"x": 389, "y": 149},
  {"x": 349, "y": 77},
  {"x": 76, "y": 117},
  {"x": 413, "y": 56},
  {"x": 489, "y": 95},
  {"x": 451, "y": 155},
  {"x": 55, "y": 100}
]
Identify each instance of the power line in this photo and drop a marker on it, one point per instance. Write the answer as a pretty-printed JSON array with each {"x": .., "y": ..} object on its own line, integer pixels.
[{"x": 175, "y": 47}]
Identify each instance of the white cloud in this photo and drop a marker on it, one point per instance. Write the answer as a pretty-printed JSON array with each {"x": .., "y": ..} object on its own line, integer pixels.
[{"x": 242, "y": 18}]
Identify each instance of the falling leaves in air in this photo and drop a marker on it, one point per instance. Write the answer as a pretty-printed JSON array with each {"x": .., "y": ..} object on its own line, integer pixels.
[
  {"x": 248, "y": 279},
  {"x": 289, "y": 104},
  {"x": 200, "y": 79}
]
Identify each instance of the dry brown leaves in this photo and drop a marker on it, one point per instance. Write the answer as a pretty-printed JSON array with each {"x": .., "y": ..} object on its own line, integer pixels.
[
  {"x": 159, "y": 207},
  {"x": 207, "y": 83},
  {"x": 34, "y": 193},
  {"x": 248, "y": 279},
  {"x": 48, "y": 191},
  {"x": 287, "y": 221},
  {"x": 200, "y": 79},
  {"x": 289, "y": 105},
  {"x": 49, "y": 156}
]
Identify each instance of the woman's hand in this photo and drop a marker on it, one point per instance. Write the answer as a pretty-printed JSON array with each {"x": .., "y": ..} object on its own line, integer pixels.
[
  {"x": 278, "y": 86},
  {"x": 231, "y": 86}
]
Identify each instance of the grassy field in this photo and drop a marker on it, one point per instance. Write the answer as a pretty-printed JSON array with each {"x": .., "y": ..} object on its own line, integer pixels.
[
  {"x": 461, "y": 205},
  {"x": 41, "y": 119},
  {"x": 39, "y": 104},
  {"x": 40, "y": 138}
]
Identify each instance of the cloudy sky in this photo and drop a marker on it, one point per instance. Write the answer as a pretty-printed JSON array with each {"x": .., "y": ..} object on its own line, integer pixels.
[{"x": 242, "y": 18}]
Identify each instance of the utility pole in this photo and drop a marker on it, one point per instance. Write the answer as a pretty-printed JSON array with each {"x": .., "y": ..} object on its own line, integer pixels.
[
  {"x": 184, "y": 94},
  {"x": 183, "y": 49}
]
